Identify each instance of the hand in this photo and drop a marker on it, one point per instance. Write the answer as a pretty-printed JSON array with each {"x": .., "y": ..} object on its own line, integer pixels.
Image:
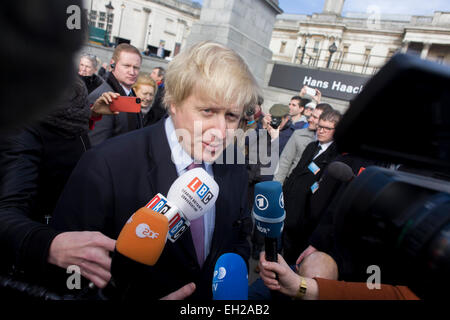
[
  {"x": 288, "y": 281},
  {"x": 101, "y": 105},
  {"x": 88, "y": 250},
  {"x": 274, "y": 133},
  {"x": 302, "y": 91},
  {"x": 318, "y": 96},
  {"x": 303, "y": 255},
  {"x": 266, "y": 121},
  {"x": 181, "y": 293}
]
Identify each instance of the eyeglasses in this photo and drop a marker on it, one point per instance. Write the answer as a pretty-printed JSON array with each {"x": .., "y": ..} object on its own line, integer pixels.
[{"x": 326, "y": 129}]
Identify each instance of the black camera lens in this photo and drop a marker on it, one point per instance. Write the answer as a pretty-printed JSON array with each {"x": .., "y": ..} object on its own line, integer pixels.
[
  {"x": 250, "y": 112},
  {"x": 138, "y": 100},
  {"x": 275, "y": 122}
]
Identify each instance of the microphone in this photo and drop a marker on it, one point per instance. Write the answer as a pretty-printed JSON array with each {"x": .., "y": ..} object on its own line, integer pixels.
[
  {"x": 269, "y": 214},
  {"x": 190, "y": 196},
  {"x": 340, "y": 171},
  {"x": 230, "y": 280},
  {"x": 139, "y": 245}
]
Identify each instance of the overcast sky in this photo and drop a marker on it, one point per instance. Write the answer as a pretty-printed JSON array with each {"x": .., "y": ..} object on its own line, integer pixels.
[{"x": 415, "y": 7}]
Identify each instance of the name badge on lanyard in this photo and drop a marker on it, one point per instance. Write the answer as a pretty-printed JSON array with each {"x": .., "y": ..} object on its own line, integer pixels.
[{"x": 313, "y": 168}]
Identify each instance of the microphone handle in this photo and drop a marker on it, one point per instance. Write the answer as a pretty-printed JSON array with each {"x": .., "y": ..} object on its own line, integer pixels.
[{"x": 271, "y": 246}]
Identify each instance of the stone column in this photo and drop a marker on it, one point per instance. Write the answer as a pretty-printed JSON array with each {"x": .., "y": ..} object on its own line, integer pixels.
[
  {"x": 425, "y": 50},
  {"x": 244, "y": 26},
  {"x": 404, "y": 48},
  {"x": 145, "y": 33}
]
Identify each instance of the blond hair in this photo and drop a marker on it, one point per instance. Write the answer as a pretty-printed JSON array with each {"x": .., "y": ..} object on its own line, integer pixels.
[
  {"x": 214, "y": 72},
  {"x": 144, "y": 79}
]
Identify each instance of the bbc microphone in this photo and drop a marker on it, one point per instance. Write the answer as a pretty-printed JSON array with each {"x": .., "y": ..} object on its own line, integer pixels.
[
  {"x": 230, "y": 278},
  {"x": 190, "y": 196},
  {"x": 139, "y": 245},
  {"x": 269, "y": 214}
]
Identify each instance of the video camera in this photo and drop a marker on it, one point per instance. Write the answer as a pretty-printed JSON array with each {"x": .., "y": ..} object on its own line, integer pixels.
[{"x": 397, "y": 220}]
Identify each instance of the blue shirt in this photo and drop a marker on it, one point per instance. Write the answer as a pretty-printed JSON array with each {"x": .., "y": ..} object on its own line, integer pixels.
[{"x": 182, "y": 160}]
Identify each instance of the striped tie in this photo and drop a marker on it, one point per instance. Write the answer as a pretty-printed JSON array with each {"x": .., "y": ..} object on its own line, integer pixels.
[{"x": 197, "y": 229}]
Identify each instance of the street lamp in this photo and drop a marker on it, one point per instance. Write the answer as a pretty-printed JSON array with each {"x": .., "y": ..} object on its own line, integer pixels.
[
  {"x": 122, "y": 6},
  {"x": 332, "y": 50},
  {"x": 109, "y": 10},
  {"x": 303, "y": 50}
]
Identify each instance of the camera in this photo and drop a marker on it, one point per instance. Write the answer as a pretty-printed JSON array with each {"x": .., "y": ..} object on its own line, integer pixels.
[
  {"x": 275, "y": 122},
  {"x": 399, "y": 220},
  {"x": 249, "y": 112}
]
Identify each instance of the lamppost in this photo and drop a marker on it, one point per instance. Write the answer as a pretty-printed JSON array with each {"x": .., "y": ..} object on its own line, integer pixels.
[
  {"x": 122, "y": 6},
  {"x": 303, "y": 50},
  {"x": 332, "y": 50},
  {"x": 109, "y": 10}
]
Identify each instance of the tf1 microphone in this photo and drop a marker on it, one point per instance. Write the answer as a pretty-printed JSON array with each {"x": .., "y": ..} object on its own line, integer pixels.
[
  {"x": 139, "y": 245},
  {"x": 191, "y": 195},
  {"x": 269, "y": 214},
  {"x": 230, "y": 279},
  {"x": 340, "y": 171}
]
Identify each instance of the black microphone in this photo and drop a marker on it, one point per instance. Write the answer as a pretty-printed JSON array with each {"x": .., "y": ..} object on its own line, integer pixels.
[{"x": 340, "y": 171}]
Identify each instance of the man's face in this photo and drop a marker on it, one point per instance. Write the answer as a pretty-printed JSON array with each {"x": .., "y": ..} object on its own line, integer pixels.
[
  {"x": 325, "y": 131},
  {"x": 313, "y": 120},
  {"x": 294, "y": 108},
  {"x": 154, "y": 75},
  {"x": 85, "y": 68},
  {"x": 206, "y": 127},
  {"x": 127, "y": 68},
  {"x": 307, "y": 112}
]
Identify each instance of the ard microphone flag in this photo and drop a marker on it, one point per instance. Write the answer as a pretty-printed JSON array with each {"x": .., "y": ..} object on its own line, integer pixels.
[
  {"x": 230, "y": 278},
  {"x": 268, "y": 208}
]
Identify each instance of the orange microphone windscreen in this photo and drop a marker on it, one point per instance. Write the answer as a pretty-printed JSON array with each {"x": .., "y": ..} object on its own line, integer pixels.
[{"x": 143, "y": 237}]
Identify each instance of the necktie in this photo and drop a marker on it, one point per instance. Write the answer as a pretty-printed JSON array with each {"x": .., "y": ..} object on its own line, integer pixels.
[
  {"x": 317, "y": 150},
  {"x": 197, "y": 230}
]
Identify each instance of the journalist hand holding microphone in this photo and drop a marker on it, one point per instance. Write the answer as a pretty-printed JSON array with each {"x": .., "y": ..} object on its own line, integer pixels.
[{"x": 143, "y": 237}]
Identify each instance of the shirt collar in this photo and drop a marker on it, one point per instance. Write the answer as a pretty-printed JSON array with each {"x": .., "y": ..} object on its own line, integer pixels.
[
  {"x": 127, "y": 91},
  {"x": 325, "y": 145},
  {"x": 179, "y": 156}
]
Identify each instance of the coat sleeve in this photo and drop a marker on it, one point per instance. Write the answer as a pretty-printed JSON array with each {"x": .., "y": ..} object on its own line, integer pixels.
[
  {"x": 87, "y": 201},
  {"x": 286, "y": 159},
  {"x": 25, "y": 241}
]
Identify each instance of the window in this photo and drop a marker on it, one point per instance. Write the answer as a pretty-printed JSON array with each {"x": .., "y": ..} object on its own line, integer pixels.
[
  {"x": 101, "y": 25},
  {"x": 93, "y": 15},
  {"x": 316, "y": 46},
  {"x": 283, "y": 46},
  {"x": 102, "y": 16}
]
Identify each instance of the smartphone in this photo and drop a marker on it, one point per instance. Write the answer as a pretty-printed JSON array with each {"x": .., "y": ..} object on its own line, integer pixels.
[
  {"x": 310, "y": 91},
  {"x": 126, "y": 104}
]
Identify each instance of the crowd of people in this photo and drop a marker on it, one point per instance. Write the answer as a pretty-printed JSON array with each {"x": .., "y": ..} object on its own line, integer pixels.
[{"x": 70, "y": 181}]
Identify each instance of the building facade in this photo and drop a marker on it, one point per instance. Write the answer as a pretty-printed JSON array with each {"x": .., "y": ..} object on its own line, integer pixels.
[
  {"x": 359, "y": 42},
  {"x": 151, "y": 25}
]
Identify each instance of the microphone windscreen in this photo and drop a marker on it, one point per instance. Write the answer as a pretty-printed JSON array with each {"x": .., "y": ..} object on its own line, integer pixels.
[
  {"x": 340, "y": 171},
  {"x": 194, "y": 193},
  {"x": 143, "y": 237},
  {"x": 230, "y": 279},
  {"x": 268, "y": 208}
]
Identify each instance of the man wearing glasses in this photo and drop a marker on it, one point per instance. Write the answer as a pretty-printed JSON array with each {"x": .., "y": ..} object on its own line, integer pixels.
[{"x": 303, "y": 182}]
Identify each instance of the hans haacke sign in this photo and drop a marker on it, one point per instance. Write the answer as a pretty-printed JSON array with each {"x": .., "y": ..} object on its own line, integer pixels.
[{"x": 331, "y": 84}]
